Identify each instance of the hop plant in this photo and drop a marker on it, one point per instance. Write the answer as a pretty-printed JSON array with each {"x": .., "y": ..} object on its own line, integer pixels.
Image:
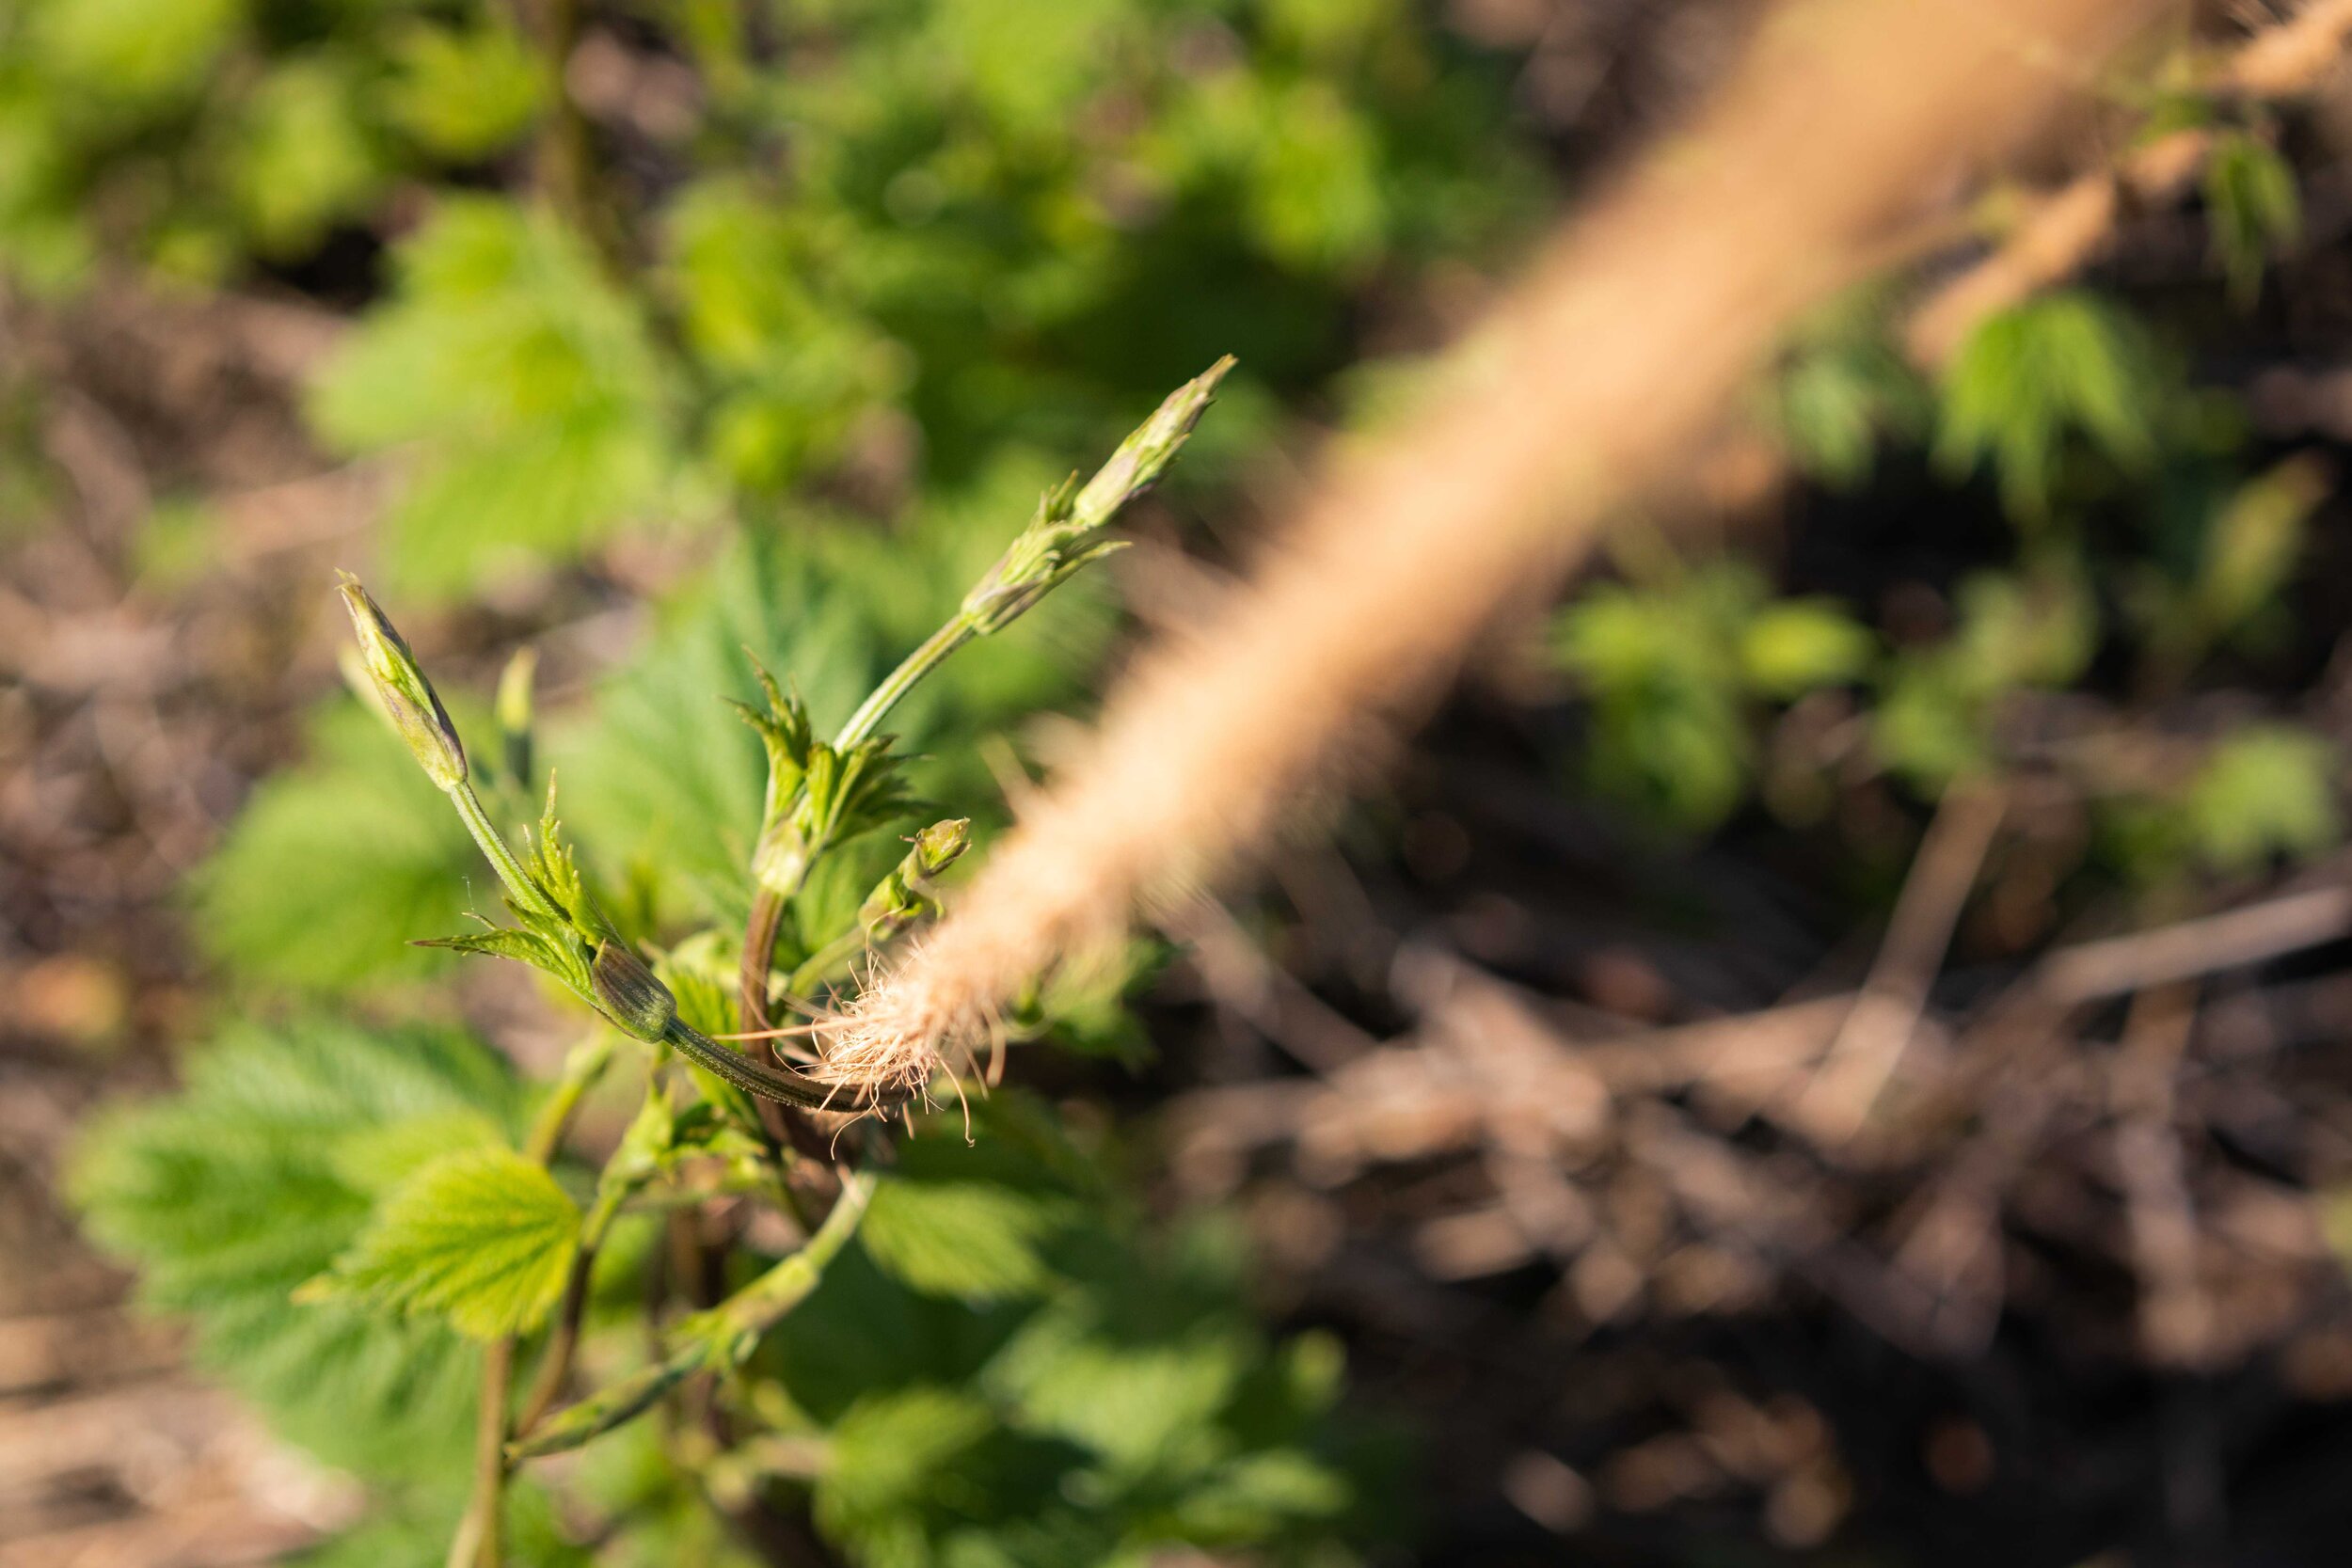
[{"x": 483, "y": 1235}]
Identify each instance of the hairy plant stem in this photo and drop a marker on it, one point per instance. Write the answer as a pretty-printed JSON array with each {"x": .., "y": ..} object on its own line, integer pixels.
[
  {"x": 520, "y": 885},
  {"x": 778, "y": 1083},
  {"x": 712, "y": 1341}
]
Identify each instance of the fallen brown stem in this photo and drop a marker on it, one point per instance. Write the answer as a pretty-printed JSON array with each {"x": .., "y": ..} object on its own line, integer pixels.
[
  {"x": 2067, "y": 228},
  {"x": 2119, "y": 965},
  {"x": 1614, "y": 357},
  {"x": 1870, "y": 1039}
]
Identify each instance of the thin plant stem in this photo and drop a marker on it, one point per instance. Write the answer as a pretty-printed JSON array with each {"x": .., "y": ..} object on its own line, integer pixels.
[
  {"x": 717, "y": 1339},
  {"x": 778, "y": 1084},
  {"x": 555, "y": 1362},
  {"x": 759, "y": 946},
  {"x": 1061, "y": 538},
  {"x": 520, "y": 885},
  {"x": 476, "y": 1544},
  {"x": 934, "y": 650},
  {"x": 826, "y": 961},
  {"x": 581, "y": 1068}
]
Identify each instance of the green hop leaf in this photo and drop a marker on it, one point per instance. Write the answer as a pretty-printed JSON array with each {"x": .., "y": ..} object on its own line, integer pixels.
[{"x": 482, "y": 1237}]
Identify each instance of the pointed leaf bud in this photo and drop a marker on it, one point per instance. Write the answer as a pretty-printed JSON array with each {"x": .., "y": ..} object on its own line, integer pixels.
[
  {"x": 404, "y": 695},
  {"x": 1062, "y": 536},
  {"x": 629, "y": 994},
  {"x": 516, "y": 683},
  {"x": 906, "y": 894},
  {"x": 1142, "y": 457},
  {"x": 937, "y": 847}
]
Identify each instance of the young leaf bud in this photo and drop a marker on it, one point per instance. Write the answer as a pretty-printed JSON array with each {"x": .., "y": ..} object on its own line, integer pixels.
[
  {"x": 937, "y": 847},
  {"x": 405, "y": 696},
  {"x": 905, "y": 895},
  {"x": 1064, "y": 535},
  {"x": 514, "y": 713},
  {"x": 1142, "y": 457},
  {"x": 629, "y": 994}
]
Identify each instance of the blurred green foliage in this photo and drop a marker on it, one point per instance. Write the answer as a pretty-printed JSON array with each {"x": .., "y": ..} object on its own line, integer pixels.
[
  {"x": 256, "y": 1176},
  {"x": 923, "y": 235},
  {"x": 2038, "y": 379},
  {"x": 2252, "y": 207},
  {"x": 197, "y": 137},
  {"x": 1678, "y": 671},
  {"x": 1009, "y": 1367},
  {"x": 2149, "y": 537}
]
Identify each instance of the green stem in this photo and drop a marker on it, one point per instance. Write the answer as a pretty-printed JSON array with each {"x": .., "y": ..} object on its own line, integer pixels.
[
  {"x": 581, "y": 1068},
  {"x": 555, "y": 1362},
  {"x": 721, "y": 1338},
  {"x": 910, "y": 672},
  {"x": 527, "y": 893},
  {"x": 1062, "y": 537},
  {"x": 821, "y": 965},
  {"x": 760, "y": 948},
  {"x": 476, "y": 1544}
]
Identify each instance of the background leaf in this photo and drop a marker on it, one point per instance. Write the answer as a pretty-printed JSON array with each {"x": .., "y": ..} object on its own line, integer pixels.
[
  {"x": 482, "y": 1237},
  {"x": 253, "y": 1178},
  {"x": 337, "y": 864}
]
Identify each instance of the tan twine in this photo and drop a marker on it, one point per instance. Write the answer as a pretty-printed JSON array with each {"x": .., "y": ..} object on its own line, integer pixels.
[{"x": 1587, "y": 386}]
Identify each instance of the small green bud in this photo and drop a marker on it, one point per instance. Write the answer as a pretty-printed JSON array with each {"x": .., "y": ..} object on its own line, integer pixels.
[
  {"x": 937, "y": 847},
  {"x": 629, "y": 994},
  {"x": 406, "y": 697},
  {"x": 1142, "y": 457},
  {"x": 514, "y": 713},
  {"x": 906, "y": 894},
  {"x": 1062, "y": 537}
]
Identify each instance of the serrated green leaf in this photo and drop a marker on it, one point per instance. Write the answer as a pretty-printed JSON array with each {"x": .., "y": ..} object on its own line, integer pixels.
[
  {"x": 503, "y": 941},
  {"x": 482, "y": 1237},
  {"x": 972, "y": 1239},
  {"x": 250, "y": 1181},
  {"x": 377, "y": 1160}
]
